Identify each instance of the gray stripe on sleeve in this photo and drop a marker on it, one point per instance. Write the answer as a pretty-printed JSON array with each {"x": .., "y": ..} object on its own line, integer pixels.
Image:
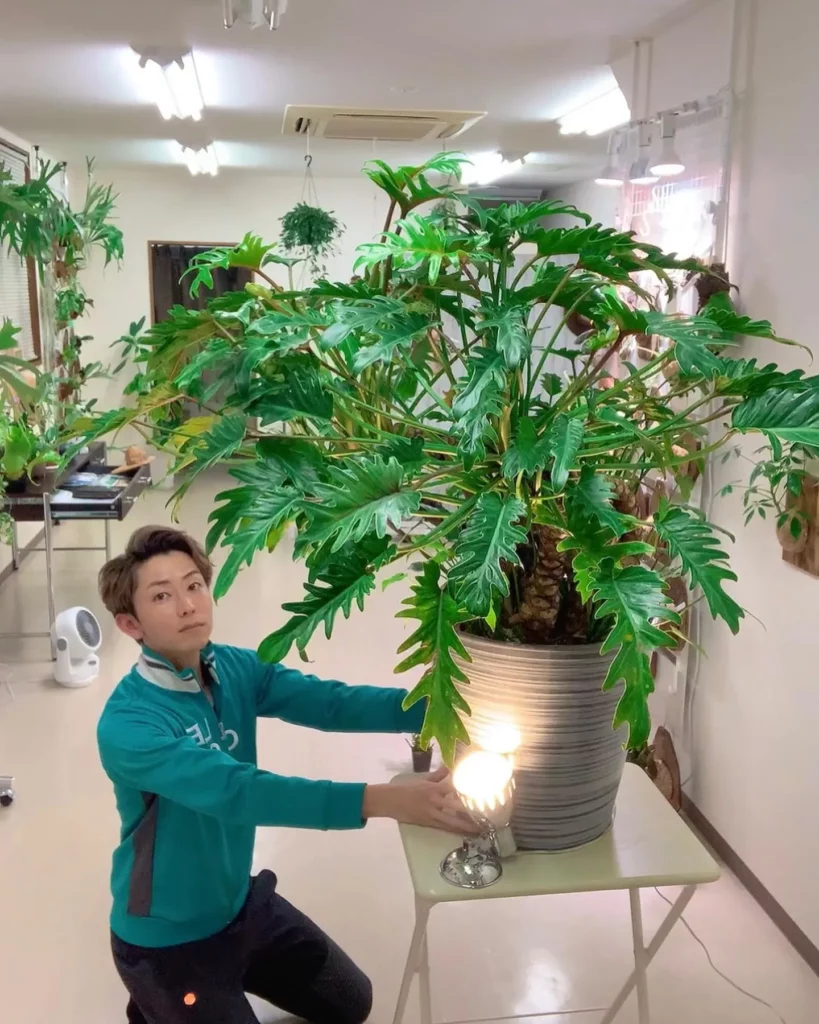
[{"x": 142, "y": 873}]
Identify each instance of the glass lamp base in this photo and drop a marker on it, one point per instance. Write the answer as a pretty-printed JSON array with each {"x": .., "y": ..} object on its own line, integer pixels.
[{"x": 474, "y": 865}]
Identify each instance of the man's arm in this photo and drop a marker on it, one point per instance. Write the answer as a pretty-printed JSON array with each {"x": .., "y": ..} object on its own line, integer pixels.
[
  {"x": 145, "y": 755},
  {"x": 332, "y": 706}
]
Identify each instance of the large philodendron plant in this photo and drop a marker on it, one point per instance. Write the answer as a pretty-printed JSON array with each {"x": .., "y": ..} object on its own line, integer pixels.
[{"x": 426, "y": 392}]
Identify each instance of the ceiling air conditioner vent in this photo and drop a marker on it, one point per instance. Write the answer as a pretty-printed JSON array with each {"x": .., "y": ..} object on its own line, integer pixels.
[{"x": 382, "y": 125}]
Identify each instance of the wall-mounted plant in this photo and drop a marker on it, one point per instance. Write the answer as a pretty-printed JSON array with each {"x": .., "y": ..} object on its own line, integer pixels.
[{"x": 38, "y": 223}]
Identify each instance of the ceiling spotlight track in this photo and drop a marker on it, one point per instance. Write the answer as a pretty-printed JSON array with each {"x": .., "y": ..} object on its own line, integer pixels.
[
  {"x": 613, "y": 174},
  {"x": 640, "y": 173},
  {"x": 172, "y": 78},
  {"x": 256, "y": 13},
  {"x": 668, "y": 164}
]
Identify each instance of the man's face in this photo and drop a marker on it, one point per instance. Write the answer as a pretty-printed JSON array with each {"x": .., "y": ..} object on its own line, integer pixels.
[{"x": 173, "y": 606}]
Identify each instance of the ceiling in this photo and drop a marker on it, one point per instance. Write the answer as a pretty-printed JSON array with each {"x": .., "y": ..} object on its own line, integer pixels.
[{"x": 69, "y": 81}]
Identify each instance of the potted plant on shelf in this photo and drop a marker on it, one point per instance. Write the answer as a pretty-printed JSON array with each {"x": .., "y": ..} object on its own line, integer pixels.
[
  {"x": 421, "y": 754},
  {"x": 425, "y": 389}
]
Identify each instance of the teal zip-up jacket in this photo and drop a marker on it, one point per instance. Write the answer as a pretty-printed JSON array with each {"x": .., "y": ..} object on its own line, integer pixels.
[{"x": 189, "y": 793}]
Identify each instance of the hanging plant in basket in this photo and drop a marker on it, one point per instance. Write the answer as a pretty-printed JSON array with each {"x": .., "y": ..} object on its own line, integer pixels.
[{"x": 311, "y": 233}]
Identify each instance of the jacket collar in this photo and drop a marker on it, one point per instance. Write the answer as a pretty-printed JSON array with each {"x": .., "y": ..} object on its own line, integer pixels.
[{"x": 156, "y": 669}]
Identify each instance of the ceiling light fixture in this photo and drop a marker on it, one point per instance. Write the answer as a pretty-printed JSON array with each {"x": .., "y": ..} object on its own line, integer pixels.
[
  {"x": 668, "y": 164},
  {"x": 613, "y": 175},
  {"x": 200, "y": 159},
  {"x": 488, "y": 167},
  {"x": 173, "y": 82},
  {"x": 599, "y": 115},
  {"x": 640, "y": 173},
  {"x": 256, "y": 13}
]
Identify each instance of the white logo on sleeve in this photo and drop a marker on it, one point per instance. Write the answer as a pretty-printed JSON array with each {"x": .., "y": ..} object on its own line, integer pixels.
[{"x": 229, "y": 735}]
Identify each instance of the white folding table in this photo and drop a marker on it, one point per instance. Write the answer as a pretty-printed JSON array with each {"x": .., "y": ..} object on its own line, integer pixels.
[{"x": 648, "y": 845}]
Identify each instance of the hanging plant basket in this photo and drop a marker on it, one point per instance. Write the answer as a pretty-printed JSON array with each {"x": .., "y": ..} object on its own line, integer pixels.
[{"x": 308, "y": 230}]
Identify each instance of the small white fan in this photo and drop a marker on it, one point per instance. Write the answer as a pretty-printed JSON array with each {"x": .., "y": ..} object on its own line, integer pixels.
[{"x": 77, "y": 637}]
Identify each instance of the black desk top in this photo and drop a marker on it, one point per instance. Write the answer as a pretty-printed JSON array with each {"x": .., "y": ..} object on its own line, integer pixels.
[{"x": 28, "y": 506}]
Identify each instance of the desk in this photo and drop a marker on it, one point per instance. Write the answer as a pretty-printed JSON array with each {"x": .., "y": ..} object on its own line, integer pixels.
[
  {"x": 40, "y": 503},
  {"x": 648, "y": 845}
]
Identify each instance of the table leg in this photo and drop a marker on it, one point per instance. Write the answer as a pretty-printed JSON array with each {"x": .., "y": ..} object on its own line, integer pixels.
[
  {"x": 49, "y": 550},
  {"x": 107, "y": 540},
  {"x": 15, "y": 549},
  {"x": 423, "y": 983},
  {"x": 640, "y": 960},
  {"x": 650, "y": 951},
  {"x": 422, "y": 909}
]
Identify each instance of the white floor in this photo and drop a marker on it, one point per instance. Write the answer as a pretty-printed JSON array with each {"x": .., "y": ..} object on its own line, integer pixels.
[{"x": 490, "y": 960}]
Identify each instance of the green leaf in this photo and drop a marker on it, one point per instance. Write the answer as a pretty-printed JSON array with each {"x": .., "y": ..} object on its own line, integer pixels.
[
  {"x": 262, "y": 513},
  {"x": 491, "y": 536},
  {"x": 300, "y": 393},
  {"x": 691, "y": 539},
  {"x": 290, "y": 330},
  {"x": 397, "y": 335},
  {"x": 251, "y": 253},
  {"x": 480, "y": 399},
  {"x": 565, "y": 439},
  {"x": 436, "y": 642},
  {"x": 632, "y": 597},
  {"x": 788, "y": 413},
  {"x": 345, "y": 581},
  {"x": 513, "y": 341},
  {"x": 528, "y": 453},
  {"x": 219, "y": 443},
  {"x": 361, "y": 497},
  {"x": 8, "y": 334},
  {"x": 591, "y": 497},
  {"x": 409, "y": 451},
  {"x": 297, "y": 461}
]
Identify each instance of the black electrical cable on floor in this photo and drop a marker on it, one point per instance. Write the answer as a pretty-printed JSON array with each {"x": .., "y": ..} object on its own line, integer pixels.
[{"x": 716, "y": 969}]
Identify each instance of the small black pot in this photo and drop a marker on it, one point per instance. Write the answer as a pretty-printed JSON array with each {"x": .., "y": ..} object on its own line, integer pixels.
[
  {"x": 422, "y": 760},
  {"x": 16, "y": 486}
]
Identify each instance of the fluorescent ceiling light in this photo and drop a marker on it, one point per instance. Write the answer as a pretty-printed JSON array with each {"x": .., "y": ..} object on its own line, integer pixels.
[
  {"x": 202, "y": 160},
  {"x": 640, "y": 173},
  {"x": 668, "y": 163},
  {"x": 174, "y": 83},
  {"x": 600, "y": 115},
  {"x": 613, "y": 175},
  {"x": 256, "y": 13},
  {"x": 488, "y": 167}
]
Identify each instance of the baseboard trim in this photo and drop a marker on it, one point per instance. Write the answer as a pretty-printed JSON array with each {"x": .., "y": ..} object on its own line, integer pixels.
[
  {"x": 775, "y": 911},
  {"x": 26, "y": 549}
]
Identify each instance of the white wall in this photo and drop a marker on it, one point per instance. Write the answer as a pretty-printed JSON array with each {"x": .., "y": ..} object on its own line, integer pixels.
[
  {"x": 756, "y": 710},
  {"x": 596, "y": 200},
  {"x": 170, "y": 205}
]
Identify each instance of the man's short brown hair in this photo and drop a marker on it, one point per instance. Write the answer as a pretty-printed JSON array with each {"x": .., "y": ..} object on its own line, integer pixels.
[{"x": 118, "y": 578}]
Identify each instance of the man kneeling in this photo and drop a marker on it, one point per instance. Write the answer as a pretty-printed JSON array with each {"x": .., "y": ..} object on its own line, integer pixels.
[{"x": 192, "y": 931}]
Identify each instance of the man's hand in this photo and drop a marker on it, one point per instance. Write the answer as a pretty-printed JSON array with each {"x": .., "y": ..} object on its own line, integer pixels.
[{"x": 423, "y": 800}]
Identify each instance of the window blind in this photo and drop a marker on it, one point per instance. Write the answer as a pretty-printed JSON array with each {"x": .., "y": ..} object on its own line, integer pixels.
[{"x": 15, "y": 294}]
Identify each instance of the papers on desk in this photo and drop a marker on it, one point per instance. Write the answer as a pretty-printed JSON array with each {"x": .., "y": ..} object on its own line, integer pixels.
[{"x": 64, "y": 498}]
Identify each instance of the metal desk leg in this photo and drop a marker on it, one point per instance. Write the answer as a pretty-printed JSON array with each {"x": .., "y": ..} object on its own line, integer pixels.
[
  {"x": 49, "y": 550},
  {"x": 640, "y": 960},
  {"x": 422, "y": 909},
  {"x": 107, "y": 540},
  {"x": 649, "y": 951},
  {"x": 15, "y": 549},
  {"x": 423, "y": 983}
]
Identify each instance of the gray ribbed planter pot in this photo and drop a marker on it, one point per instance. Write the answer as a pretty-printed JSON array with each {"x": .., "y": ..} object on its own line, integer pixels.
[{"x": 570, "y": 761}]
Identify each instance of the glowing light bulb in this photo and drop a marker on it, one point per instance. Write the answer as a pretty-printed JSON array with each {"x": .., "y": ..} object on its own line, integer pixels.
[{"x": 484, "y": 780}]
